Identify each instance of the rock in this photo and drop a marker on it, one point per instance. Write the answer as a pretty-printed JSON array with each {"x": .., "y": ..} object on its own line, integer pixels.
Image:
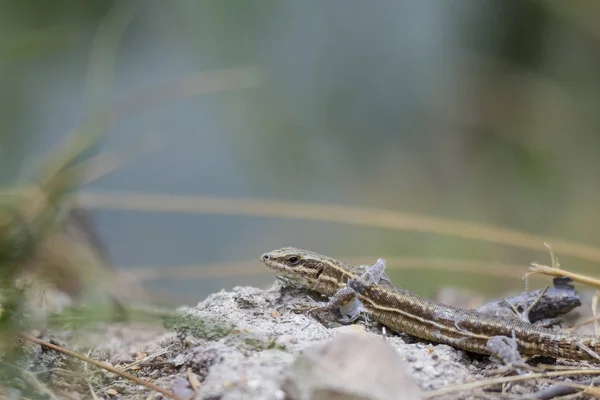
[
  {"x": 248, "y": 344},
  {"x": 350, "y": 366}
]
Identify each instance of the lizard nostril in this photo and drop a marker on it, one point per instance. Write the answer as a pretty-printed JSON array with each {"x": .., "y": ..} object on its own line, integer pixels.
[{"x": 265, "y": 257}]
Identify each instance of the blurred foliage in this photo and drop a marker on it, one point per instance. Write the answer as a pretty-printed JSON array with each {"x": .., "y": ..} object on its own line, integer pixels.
[{"x": 32, "y": 216}]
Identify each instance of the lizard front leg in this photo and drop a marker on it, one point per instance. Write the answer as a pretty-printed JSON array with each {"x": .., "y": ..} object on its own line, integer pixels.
[
  {"x": 345, "y": 300},
  {"x": 375, "y": 273}
]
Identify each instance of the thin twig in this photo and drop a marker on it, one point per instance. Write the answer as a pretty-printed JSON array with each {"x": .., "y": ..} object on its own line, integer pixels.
[
  {"x": 595, "y": 312},
  {"x": 556, "y": 272},
  {"x": 494, "y": 381},
  {"x": 102, "y": 365},
  {"x": 144, "y": 360},
  {"x": 561, "y": 389}
]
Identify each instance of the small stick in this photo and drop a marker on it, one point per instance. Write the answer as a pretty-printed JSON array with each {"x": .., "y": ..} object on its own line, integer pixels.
[
  {"x": 494, "y": 381},
  {"x": 566, "y": 388},
  {"x": 595, "y": 312},
  {"x": 543, "y": 269},
  {"x": 102, "y": 365},
  {"x": 145, "y": 359}
]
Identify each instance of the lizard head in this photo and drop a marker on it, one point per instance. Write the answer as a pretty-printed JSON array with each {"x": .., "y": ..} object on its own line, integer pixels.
[{"x": 301, "y": 266}]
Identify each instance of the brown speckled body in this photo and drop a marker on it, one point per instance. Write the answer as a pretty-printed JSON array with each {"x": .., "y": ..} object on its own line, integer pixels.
[
  {"x": 404, "y": 311},
  {"x": 469, "y": 330}
]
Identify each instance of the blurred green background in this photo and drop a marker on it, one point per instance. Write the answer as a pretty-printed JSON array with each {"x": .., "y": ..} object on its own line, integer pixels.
[{"x": 477, "y": 110}]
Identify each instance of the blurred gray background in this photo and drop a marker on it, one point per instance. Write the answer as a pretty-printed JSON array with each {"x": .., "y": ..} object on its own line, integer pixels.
[{"x": 477, "y": 110}]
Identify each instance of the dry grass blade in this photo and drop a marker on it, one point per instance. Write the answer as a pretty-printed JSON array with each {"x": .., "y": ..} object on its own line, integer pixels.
[
  {"x": 575, "y": 389},
  {"x": 96, "y": 167},
  {"x": 563, "y": 389},
  {"x": 595, "y": 312},
  {"x": 102, "y": 365},
  {"x": 92, "y": 392},
  {"x": 87, "y": 381},
  {"x": 197, "y": 84},
  {"x": 559, "y": 272},
  {"x": 73, "y": 147},
  {"x": 144, "y": 360},
  {"x": 39, "y": 385},
  {"x": 363, "y": 216},
  {"x": 495, "y": 381}
]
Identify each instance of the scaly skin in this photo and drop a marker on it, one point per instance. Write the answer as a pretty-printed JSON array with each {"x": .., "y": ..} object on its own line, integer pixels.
[{"x": 404, "y": 311}]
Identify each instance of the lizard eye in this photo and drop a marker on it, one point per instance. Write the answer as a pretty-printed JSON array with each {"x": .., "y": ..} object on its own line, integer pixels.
[{"x": 293, "y": 260}]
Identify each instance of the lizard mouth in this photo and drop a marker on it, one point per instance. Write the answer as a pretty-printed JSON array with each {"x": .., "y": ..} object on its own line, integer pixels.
[
  {"x": 273, "y": 264},
  {"x": 282, "y": 269}
]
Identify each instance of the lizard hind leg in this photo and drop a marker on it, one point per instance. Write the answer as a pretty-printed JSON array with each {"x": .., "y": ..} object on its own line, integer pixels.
[{"x": 505, "y": 350}]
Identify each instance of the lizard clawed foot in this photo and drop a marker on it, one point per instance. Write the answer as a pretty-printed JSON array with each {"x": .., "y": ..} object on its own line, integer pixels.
[
  {"x": 300, "y": 306},
  {"x": 375, "y": 273},
  {"x": 310, "y": 310},
  {"x": 306, "y": 308},
  {"x": 505, "y": 351},
  {"x": 345, "y": 300}
]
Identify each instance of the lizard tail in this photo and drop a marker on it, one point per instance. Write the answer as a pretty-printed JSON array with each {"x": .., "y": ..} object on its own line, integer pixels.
[{"x": 574, "y": 347}]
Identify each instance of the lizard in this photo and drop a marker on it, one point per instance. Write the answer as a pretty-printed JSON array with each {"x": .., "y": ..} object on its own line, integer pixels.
[{"x": 356, "y": 288}]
